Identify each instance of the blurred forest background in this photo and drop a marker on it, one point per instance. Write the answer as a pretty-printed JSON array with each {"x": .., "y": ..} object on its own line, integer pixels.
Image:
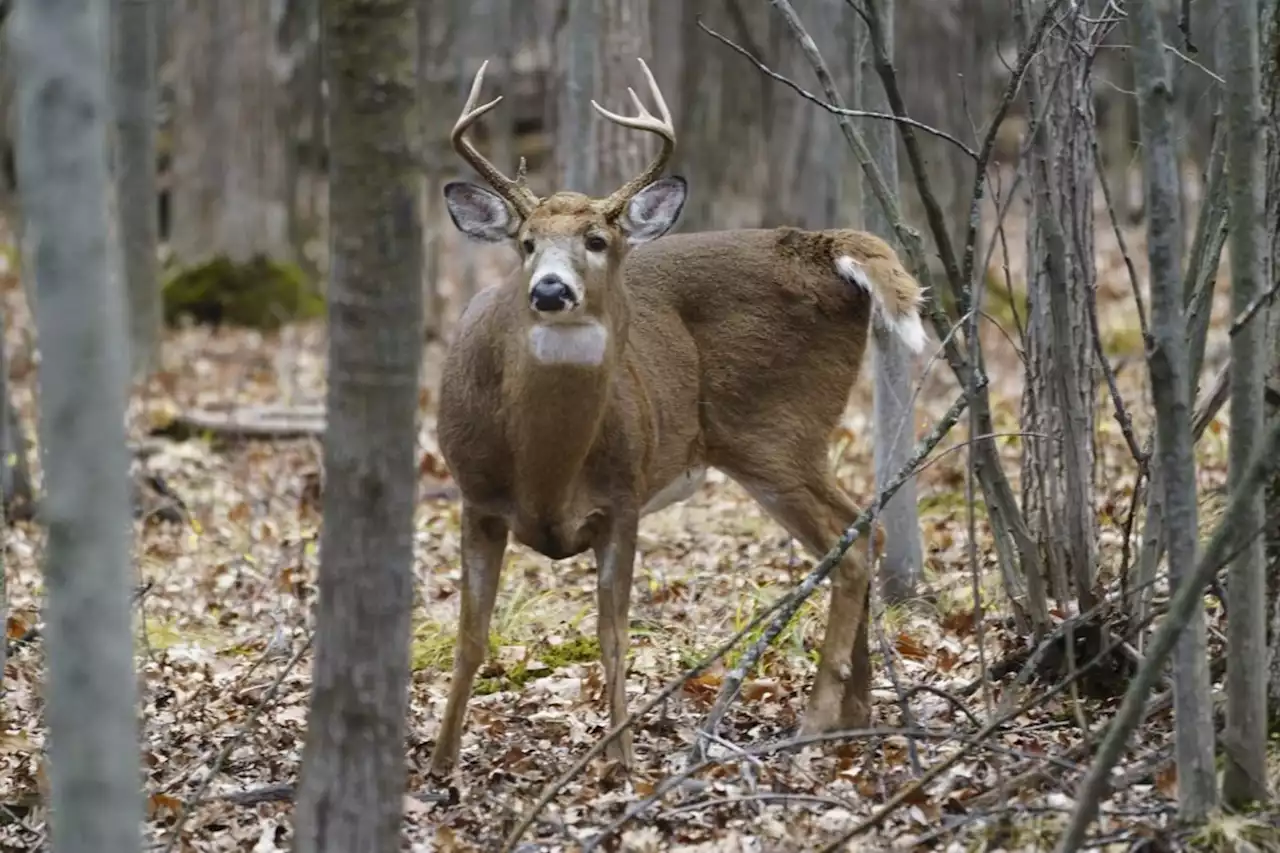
[{"x": 1064, "y": 286}]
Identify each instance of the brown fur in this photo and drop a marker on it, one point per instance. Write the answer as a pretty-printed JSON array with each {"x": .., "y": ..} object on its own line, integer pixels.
[{"x": 731, "y": 349}]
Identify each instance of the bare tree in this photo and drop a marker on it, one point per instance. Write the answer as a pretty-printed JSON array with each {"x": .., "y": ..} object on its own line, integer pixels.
[
  {"x": 60, "y": 49},
  {"x": 623, "y": 35},
  {"x": 1245, "y": 774},
  {"x": 1058, "y": 401},
  {"x": 903, "y": 557},
  {"x": 134, "y": 68},
  {"x": 1167, "y": 362},
  {"x": 1270, "y": 27},
  {"x": 351, "y": 790},
  {"x": 576, "y": 163},
  {"x": 229, "y": 176}
]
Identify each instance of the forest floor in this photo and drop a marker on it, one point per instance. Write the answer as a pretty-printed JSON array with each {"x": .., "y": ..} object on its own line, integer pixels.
[{"x": 225, "y": 609}]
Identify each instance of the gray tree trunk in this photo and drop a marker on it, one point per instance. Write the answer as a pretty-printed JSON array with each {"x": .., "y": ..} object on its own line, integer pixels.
[
  {"x": 622, "y": 36},
  {"x": 134, "y": 68},
  {"x": 229, "y": 175},
  {"x": 1167, "y": 362},
  {"x": 1244, "y": 777},
  {"x": 60, "y": 49},
  {"x": 577, "y": 46},
  {"x": 1058, "y": 401},
  {"x": 352, "y": 785},
  {"x": 895, "y": 433},
  {"x": 1270, "y": 25},
  {"x": 433, "y": 154}
]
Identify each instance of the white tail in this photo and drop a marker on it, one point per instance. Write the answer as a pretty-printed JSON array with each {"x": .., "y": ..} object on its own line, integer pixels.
[{"x": 600, "y": 381}]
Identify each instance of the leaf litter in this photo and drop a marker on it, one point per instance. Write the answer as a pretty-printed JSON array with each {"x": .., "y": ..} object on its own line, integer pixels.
[{"x": 226, "y": 605}]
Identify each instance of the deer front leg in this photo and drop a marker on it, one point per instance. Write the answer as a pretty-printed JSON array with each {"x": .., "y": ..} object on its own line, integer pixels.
[
  {"x": 484, "y": 544},
  {"x": 615, "y": 562}
]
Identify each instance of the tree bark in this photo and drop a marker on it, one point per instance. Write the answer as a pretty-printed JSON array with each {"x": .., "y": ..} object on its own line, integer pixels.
[
  {"x": 1270, "y": 25},
  {"x": 622, "y": 36},
  {"x": 1058, "y": 402},
  {"x": 135, "y": 150},
  {"x": 1167, "y": 363},
  {"x": 352, "y": 784},
  {"x": 895, "y": 432},
  {"x": 576, "y": 160},
  {"x": 60, "y": 49},
  {"x": 1244, "y": 777},
  {"x": 229, "y": 175}
]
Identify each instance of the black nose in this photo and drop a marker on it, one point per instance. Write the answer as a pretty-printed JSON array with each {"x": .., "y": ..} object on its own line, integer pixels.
[{"x": 550, "y": 294}]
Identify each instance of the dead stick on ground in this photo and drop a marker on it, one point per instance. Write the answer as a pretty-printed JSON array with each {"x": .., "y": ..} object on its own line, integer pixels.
[
  {"x": 267, "y": 699},
  {"x": 785, "y": 608},
  {"x": 1184, "y": 601}
]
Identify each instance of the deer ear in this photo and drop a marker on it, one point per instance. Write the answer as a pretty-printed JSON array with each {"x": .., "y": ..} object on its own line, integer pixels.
[
  {"x": 479, "y": 213},
  {"x": 652, "y": 211}
]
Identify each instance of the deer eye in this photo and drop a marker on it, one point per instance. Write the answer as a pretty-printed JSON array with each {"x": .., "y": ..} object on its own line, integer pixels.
[
  {"x": 527, "y": 245},
  {"x": 596, "y": 243}
]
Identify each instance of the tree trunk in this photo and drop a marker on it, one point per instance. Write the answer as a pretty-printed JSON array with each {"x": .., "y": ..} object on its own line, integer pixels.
[
  {"x": 135, "y": 150},
  {"x": 1270, "y": 26},
  {"x": 895, "y": 432},
  {"x": 1244, "y": 778},
  {"x": 353, "y": 776},
  {"x": 229, "y": 176},
  {"x": 575, "y": 158},
  {"x": 1058, "y": 401},
  {"x": 1167, "y": 362},
  {"x": 60, "y": 49},
  {"x": 622, "y": 37}
]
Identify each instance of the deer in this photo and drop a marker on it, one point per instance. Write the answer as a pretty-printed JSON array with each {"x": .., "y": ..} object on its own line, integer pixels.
[{"x": 603, "y": 378}]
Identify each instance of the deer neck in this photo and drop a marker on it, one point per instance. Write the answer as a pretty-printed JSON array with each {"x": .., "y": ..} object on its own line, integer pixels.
[{"x": 558, "y": 388}]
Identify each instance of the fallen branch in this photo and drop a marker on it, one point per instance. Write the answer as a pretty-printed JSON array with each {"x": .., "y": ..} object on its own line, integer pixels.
[
  {"x": 268, "y": 699},
  {"x": 785, "y": 607},
  {"x": 249, "y": 422}
]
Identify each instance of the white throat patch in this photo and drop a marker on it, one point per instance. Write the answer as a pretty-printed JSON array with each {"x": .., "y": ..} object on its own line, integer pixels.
[{"x": 581, "y": 344}]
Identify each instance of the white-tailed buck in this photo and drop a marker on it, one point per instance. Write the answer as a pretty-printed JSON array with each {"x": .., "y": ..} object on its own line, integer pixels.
[{"x": 600, "y": 381}]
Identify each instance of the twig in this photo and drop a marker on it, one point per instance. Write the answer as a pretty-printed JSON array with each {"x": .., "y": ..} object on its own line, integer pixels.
[
  {"x": 785, "y": 608},
  {"x": 1252, "y": 308},
  {"x": 832, "y": 108},
  {"x": 733, "y": 681},
  {"x": 1023, "y": 62},
  {"x": 268, "y": 698},
  {"x": 971, "y": 742},
  {"x": 1185, "y": 600},
  {"x": 1212, "y": 402},
  {"x": 1123, "y": 244}
]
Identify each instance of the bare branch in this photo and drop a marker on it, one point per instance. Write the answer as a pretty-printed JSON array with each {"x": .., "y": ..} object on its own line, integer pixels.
[{"x": 831, "y": 108}]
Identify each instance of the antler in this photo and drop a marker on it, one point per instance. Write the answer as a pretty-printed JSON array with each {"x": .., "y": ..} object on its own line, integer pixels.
[
  {"x": 646, "y": 121},
  {"x": 515, "y": 192}
]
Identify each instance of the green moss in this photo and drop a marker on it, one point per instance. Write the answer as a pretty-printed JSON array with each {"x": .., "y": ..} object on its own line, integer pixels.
[
  {"x": 260, "y": 293},
  {"x": 540, "y": 659}
]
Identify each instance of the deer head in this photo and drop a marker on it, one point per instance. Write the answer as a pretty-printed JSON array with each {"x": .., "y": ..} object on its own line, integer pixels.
[{"x": 571, "y": 246}]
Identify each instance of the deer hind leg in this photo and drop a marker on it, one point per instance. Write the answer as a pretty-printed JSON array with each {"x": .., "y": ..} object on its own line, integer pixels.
[
  {"x": 615, "y": 563},
  {"x": 484, "y": 544},
  {"x": 816, "y": 511}
]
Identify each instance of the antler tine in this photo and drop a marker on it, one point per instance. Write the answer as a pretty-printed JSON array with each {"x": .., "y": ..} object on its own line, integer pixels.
[
  {"x": 664, "y": 127},
  {"x": 515, "y": 191}
]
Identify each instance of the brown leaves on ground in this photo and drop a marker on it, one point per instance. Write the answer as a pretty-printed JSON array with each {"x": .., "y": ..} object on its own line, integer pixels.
[{"x": 228, "y": 600}]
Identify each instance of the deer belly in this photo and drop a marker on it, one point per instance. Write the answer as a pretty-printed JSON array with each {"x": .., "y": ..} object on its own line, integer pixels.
[{"x": 679, "y": 489}]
